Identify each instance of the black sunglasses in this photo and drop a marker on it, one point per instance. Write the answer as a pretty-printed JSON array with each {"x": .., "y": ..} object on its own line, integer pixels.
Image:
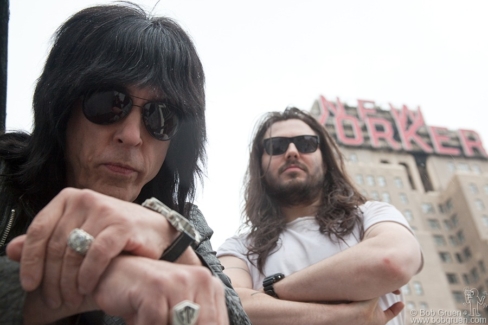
[
  {"x": 278, "y": 145},
  {"x": 109, "y": 106}
]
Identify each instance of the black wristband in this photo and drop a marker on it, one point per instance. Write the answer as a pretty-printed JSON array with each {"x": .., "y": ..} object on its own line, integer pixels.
[{"x": 269, "y": 281}]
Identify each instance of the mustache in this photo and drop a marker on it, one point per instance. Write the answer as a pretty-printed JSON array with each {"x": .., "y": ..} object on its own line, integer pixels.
[{"x": 292, "y": 163}]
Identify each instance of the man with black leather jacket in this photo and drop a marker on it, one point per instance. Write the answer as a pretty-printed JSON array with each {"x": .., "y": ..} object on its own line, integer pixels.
[{"x": 119, "y": 122}]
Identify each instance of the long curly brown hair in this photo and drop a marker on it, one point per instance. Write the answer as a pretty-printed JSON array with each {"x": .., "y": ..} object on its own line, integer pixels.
[{"x": 338, "y": 212}]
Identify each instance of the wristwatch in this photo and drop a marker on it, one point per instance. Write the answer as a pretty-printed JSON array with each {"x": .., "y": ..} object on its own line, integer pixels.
[
  {"x": 269, "y": 281},
  {"x": 188, "y": 234}
]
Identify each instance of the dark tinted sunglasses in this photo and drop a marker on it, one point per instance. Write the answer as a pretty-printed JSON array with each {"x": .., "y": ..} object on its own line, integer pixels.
[
  {"x": 279, "y": 145},
  {"x": 109, "y": 106}
]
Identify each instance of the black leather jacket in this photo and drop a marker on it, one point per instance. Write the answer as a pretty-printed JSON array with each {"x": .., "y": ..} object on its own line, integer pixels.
[{"x": 12, "y": 296}]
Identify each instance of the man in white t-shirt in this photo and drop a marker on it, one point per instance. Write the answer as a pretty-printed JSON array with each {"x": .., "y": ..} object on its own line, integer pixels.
[{"x": 316, "y": 252}]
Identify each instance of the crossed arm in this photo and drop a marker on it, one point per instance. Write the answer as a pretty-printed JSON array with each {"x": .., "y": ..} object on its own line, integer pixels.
[{"x": 386, "y": 259}]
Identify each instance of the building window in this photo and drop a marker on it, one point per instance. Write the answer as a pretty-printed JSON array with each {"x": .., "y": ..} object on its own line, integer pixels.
[
  {"x": 459, "y": 258},
  {"x": 359, "y": 179},
  {"x": 473, "y": 188},
  {"x": 479, "y": 204},
  {"x": 447, "y": 224},
  {"x": 375, "y": 196},
  {"x": 441, "y": 209},
  {"x": 427, "y": 208},
  {"x": 353, "y": 157},
  {"x": 485, "y": 188},
  {"x": 481, "y": 265},
  {"x": 453, "y": 240},
  {"x": 434, "y": 224},
  {"x": 403, "y": 198},
  {"x": 476, "y": 169},
  {"x": 454, "y": 220},
  {"x": 406, "y": 289},
  {"x": 410, "y": 305},
  {"x": 409, "y": 216},
  {"x": 466, "y": 279},
  {"x": 463, "y": 167},
  {"x": 484, "y": 218},
  {"x": 445, "y": 257},
  {"x": 417, "y": 287},
  {"x": 460, "y": 236},
  {"x": 398, "y": 182},
  {"x": 423, "y": 305},
  {"x": 452, "y": 278},
  {"x": 458, "y": 296},
  {"x": 370, "y": 180},
  {"x": 474, "y": 274},
  {"x": 381, "y": 181},
  {"x": 439, "y": 240},
  {"x": 449, "y": 205},
  {"x": 451, "y": 167},
  {"x": 386, "y": 197},
  {"x": 467, "y": 253}
]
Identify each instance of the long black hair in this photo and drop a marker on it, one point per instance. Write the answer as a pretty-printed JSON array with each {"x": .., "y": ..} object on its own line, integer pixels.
[{"x": 102, "y": 46}]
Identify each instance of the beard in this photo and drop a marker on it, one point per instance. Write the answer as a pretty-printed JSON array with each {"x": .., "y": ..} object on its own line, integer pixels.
[{"x": 295, "y": 191}]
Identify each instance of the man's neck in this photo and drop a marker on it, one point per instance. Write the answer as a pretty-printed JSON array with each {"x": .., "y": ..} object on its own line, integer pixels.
[{"x": 297, "y": 211}]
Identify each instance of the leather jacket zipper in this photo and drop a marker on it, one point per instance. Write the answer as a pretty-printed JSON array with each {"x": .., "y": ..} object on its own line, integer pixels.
[{"x": 7, "y": 228}]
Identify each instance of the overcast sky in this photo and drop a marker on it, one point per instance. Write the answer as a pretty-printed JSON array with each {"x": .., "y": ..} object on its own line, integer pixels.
[{"x": 265, "y": 55}]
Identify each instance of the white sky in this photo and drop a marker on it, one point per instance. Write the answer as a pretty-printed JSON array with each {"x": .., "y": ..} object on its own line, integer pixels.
[{"x": 265, "y": 55}]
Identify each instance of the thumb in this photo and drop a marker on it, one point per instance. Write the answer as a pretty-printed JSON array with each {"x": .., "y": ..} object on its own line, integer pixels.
[{"x": 14, "y": 248}]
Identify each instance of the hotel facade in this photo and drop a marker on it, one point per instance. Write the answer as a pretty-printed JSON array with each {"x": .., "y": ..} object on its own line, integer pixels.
[{"x": 438, "y": 179}]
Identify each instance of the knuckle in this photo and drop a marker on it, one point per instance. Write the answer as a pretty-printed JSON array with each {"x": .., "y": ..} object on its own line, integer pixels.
[
  {"x": 67, "y": 191},
  {"x": 183, "y": 278},
  {"x": 101, "y": 253},
  {"x": 202, "y": 274},
  {"x": 38, "y": 229},
  {"x": 56, "y": 249},
  {"x": 30, "y": 261},
  {"x": 160, "y": 282},
  {"x": 87, "y": 197}
]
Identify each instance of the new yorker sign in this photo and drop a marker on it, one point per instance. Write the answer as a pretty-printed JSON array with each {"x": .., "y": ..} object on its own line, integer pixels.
[{"x": 399, "y": 129}]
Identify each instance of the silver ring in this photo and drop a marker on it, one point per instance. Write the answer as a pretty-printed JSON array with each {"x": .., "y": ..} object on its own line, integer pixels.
[
  {"x": 80, "y": 241},
  {"x": 185, "y": 313}
]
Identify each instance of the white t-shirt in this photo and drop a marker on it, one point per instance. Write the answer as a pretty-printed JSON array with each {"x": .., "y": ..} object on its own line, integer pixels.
[{"x": 301, "y": 244}]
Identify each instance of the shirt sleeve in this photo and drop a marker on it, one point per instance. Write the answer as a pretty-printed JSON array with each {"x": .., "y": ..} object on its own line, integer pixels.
[
  {"x": 233, "y": 246},
  {"x": 375, "y": 212}
]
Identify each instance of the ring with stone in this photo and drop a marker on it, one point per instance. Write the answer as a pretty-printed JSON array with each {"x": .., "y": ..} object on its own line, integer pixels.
[
  {"x": 185, "y": 313},
  {"x": 80, "y": 241}
]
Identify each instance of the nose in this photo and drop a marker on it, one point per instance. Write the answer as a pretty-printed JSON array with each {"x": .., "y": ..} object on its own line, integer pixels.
[
  {"x": 292, "y": 151},
  {"x": 130, "y": 129}
]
